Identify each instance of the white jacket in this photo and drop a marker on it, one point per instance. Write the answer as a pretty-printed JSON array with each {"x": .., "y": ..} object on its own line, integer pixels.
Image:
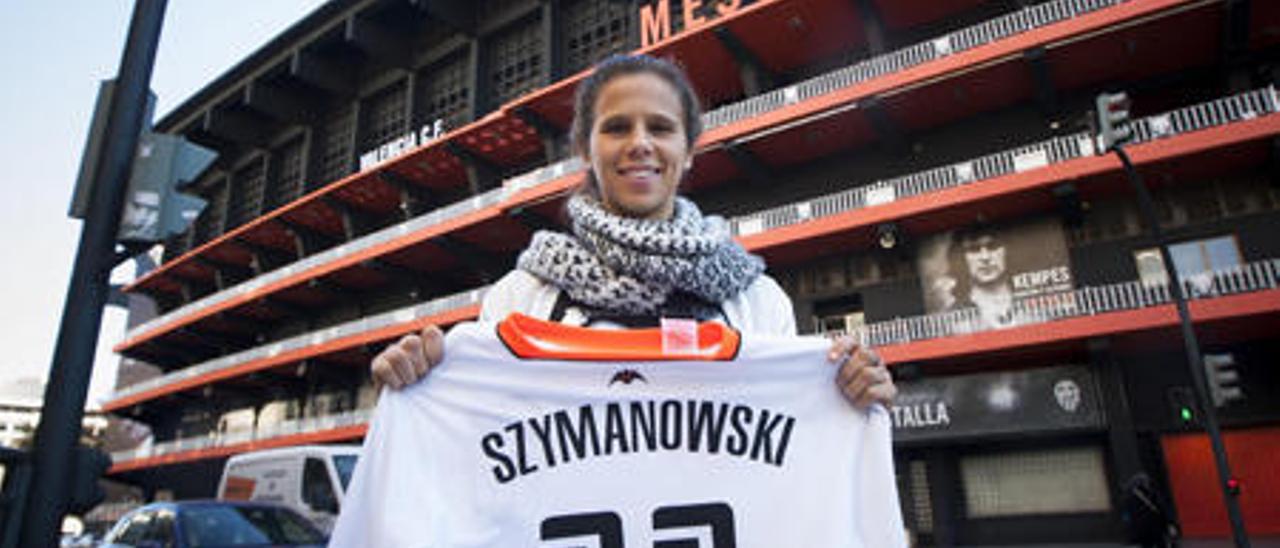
[{"x": 762, "y": 308}]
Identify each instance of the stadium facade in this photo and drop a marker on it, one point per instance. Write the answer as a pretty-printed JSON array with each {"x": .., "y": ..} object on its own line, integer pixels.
[{"x": 922, "y": 173}]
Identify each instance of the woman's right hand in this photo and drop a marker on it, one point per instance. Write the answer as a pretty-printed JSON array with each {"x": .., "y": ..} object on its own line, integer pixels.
[{"x": 409, "y": 359}]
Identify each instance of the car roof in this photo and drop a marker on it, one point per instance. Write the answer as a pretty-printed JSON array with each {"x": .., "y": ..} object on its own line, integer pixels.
[
  {"x": 179, "y": 504},
  {"x": 305, "y": 450}
]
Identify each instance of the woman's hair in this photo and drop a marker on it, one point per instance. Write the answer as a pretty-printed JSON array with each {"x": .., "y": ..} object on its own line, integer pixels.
[{"x": 584, "y": 104}]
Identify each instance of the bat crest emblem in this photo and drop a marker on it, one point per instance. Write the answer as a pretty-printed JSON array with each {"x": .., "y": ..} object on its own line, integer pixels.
[{"x": 627, "y": 376}]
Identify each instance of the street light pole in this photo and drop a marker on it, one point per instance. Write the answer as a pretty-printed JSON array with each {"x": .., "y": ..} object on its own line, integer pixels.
[
  {"x": 69, "y": 374},
  {"x": 1146, "y": 209}
]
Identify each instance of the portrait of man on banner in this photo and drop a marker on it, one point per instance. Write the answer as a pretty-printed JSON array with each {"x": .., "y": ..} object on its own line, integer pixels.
[{"x": 989, "y": 274}]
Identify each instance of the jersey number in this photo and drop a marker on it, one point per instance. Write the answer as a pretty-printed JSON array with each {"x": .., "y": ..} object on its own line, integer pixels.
[{"x": 607, "y": 526}]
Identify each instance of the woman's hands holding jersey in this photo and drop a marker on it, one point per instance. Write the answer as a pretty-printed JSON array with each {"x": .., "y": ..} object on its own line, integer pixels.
[
  {"x": 405, "y": 361},
  {"x": 863, "y": 377}
]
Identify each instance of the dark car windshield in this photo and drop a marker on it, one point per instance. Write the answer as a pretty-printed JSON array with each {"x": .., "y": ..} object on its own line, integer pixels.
[
  {"x": 226, "y": 525},
  {"x": 345, "y": 464}
]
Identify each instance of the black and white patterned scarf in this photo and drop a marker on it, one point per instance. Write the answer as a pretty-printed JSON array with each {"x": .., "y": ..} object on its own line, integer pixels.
[{"x": 637, "y": 267}]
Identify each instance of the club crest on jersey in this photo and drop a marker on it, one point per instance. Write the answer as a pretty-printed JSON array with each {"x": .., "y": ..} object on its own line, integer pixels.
[{"x": 627, "y": 376}]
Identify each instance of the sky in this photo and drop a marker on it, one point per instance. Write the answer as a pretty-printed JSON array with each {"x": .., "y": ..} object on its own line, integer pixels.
[{"x": 52, "y": 57}]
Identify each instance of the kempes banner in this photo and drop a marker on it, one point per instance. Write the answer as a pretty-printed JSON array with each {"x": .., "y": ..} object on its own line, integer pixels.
[{"x": 994, "y": 270}]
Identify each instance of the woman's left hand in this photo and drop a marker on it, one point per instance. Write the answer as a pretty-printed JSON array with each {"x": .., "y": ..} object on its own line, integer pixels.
[{"x": 863, "y": 377}]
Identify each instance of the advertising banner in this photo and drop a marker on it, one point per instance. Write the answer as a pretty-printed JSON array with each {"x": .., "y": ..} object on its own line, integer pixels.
[
  {"x": 1002, "y": 273},
  {"x": 1037, "y": 400}
]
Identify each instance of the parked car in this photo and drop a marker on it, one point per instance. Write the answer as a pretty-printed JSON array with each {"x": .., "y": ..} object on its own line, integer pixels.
[
  {"x": 208, "y": 523},
  {"x": 311, "y": 479}
]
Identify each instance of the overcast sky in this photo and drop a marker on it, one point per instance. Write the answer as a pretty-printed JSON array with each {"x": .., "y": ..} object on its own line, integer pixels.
[{"x": 52, "y": 57}]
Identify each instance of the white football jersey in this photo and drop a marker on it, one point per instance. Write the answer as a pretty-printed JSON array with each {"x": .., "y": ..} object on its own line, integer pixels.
[{"x": 493, "y": 450}]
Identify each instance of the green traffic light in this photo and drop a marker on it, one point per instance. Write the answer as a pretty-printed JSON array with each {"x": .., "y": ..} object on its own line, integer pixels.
[{"x": 1186, "y": 414}]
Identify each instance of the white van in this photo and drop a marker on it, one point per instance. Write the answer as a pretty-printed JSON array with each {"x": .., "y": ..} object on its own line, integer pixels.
[{"x": 311, "y": 479}]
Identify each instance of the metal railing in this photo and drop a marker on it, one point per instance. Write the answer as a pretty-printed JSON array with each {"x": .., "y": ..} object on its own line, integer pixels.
[
  {"x": 434, "y": 217},
  {"x": 542, "y": 175},
  {"x": 335, "y": 253},
  {"x": 321, "y": 336},
  {"x": 1077, "y": 303},
  {"x": 1023, "y": 20},
  {"x": 1244, "y": 106},
  {"x": 289, "y": 427}
]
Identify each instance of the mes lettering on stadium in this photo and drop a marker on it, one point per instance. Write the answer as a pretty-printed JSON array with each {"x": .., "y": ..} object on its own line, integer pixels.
[
  {"x": 524, "y": 447},
  {"x": 655, "y": 18}
]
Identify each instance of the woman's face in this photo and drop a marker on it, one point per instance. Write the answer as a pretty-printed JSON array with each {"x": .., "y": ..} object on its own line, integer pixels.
[{"x": 637, "y": 148}]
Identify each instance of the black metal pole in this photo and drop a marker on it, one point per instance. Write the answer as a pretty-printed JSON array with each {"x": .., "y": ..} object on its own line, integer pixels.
[
  {"x": 1195, "y": 361},
  {"x": 64, "y": 395}
]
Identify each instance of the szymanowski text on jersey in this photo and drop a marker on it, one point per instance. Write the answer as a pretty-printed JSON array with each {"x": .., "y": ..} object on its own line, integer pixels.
[{"x": 560, "y": 437}]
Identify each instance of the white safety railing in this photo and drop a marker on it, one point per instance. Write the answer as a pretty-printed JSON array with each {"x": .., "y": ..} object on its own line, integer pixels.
[
  {"x": 322, "y": 336},
  {"x": 1077, "y": 303},
  {"x": 1021, "y": 21},
  {"x": 542, "y": 175},
  {"x": 435, "y": 217},
  {"x": 509, "y": 188},
  {"x": 1244, "y": 106},
  {"x": 289, "y": 427}
]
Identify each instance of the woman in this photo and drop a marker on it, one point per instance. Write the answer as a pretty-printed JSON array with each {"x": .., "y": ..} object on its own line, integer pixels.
[{"x": 638, "y": 251}]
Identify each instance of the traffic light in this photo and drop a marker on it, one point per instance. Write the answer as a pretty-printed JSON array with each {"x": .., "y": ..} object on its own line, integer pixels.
[
  {"x": 1182, "y": 402},
  {"x": 93, "y": 145},
  {"x": 1233, "y": 486},
  {"x": 1112, "y": 115},
  {"x": 88, "y": 466},
  {"x": 154, "y": 208},
  {"x": 1223, "y": 378}
]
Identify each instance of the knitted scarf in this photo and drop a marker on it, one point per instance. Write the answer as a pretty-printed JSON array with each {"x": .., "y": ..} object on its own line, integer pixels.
[{"x": 639, "y": 267}]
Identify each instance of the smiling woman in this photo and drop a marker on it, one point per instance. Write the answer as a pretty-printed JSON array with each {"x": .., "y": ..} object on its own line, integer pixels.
[{"x": 636, "y": 251}]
